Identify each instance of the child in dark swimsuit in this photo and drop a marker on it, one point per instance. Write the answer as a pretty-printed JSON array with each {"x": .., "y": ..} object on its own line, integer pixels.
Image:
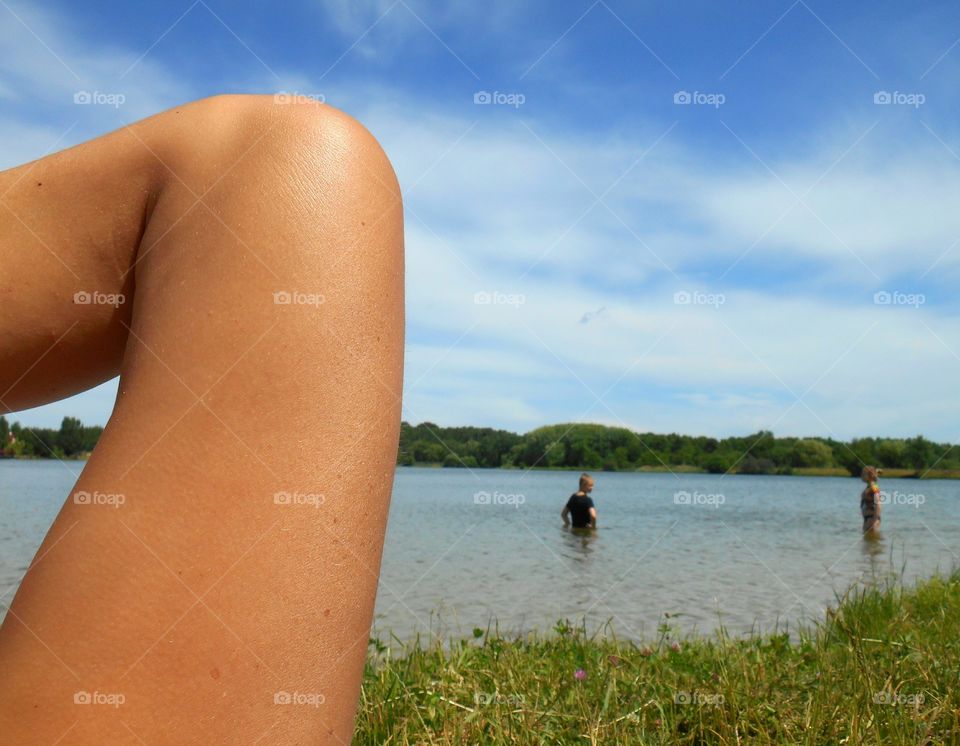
[{"x": 870, "y": 500}]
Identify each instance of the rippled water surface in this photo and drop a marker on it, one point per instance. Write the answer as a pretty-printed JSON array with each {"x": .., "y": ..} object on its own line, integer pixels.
[{"x": 466, "y": 548}]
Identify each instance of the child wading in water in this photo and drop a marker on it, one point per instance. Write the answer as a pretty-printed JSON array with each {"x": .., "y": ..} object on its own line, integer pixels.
[{"x": 870, "y": 500}]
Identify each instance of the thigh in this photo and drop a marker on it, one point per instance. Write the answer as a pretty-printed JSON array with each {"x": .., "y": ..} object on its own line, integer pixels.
[
  {"x": 70, "y": 225},
  {"x": 217, "y": 571}
]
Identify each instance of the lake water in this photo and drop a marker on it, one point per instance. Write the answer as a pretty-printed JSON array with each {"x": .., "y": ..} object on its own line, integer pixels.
[{"x": 466, "y": 548}]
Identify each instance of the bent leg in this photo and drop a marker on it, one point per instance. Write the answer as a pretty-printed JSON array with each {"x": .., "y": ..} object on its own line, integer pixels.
[
  {"x": 217, "y": 570},
  {"x": 70, "y": 225}
]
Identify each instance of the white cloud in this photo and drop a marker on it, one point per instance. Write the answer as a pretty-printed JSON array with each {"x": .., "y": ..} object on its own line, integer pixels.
[
  {"x": 739, "y": 367},
  {"x": 494, "y": 193},
  {"x": 352, "y": 18},
  {"x": 507, "y": 191},
  {"x": 44, "y": 62}
]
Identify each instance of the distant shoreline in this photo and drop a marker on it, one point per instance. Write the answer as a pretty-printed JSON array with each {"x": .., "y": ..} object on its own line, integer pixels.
[
  {"x": 679, "y": 469},
  {"x": 686, "y": 469},
  {"x": 32, "y": 457},
  {"x": 593, "y": 447}
]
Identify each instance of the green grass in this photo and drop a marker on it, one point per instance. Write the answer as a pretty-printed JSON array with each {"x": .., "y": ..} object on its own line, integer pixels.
[
  {"x": 823, "y": 471},
  {"x": 881, "y": 668}
]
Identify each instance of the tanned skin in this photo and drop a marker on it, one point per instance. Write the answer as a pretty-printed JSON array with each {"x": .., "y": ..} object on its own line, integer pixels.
[{"x": 258, "y": 248}]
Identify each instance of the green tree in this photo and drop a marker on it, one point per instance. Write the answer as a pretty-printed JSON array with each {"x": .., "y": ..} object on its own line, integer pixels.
[
  {"x": 719, "y": 463},
  {"x": 70, "y": 438},
  {"x": 918, "y": 453},
  {"x": 811, "y": 453},
  {"x": 891, "y": 453}
]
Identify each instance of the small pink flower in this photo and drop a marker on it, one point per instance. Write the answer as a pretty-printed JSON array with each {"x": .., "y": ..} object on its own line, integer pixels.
[
  {"x": 646, "y": 652},
  {"x": 657, "y": 723},
  {"x": 579, "y": 674},
  {"x": 614, "y": 660},
  {"x": 675, "y": 647}
]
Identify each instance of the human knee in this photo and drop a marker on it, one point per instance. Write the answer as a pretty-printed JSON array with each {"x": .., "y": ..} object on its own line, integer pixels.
[{"x": 309, "y": 140}]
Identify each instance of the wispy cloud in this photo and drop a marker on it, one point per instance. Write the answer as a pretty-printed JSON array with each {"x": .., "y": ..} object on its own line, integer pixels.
[
  {"x": 635, "y": 262},
  {"x": 47, "y": 66}
]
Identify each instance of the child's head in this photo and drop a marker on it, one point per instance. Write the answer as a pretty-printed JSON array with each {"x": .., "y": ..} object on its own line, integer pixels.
[
  {"x": 870, "y": 473},
  {"x": 586, "y": 482}
]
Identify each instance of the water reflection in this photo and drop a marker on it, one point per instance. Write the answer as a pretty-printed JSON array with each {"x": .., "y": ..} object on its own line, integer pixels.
[
  {"x": 580, "y": 540},
  {"x": 872, "y": 549}
]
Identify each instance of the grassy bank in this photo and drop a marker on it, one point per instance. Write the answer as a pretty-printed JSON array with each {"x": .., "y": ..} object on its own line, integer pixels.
[{"x": 881, "y": 668}]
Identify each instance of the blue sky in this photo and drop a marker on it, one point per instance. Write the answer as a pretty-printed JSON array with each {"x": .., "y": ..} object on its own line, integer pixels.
[{"x": 710, "y": 267}]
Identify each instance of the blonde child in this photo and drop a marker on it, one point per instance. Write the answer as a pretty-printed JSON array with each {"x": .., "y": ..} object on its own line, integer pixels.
[{"x": 870, "y": 500}]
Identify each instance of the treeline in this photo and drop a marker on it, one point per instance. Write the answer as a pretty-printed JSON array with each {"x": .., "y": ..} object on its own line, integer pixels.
[
  {"x": 599, "y": 447},
  {"x": 72, "y": 440},
  {"x": 580, "y": 446}
]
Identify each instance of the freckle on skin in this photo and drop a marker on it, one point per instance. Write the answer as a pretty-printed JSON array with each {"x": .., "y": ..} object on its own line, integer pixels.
[
  {"x": 214, "y": 673},
  {"x": 326, "y": 612}
]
